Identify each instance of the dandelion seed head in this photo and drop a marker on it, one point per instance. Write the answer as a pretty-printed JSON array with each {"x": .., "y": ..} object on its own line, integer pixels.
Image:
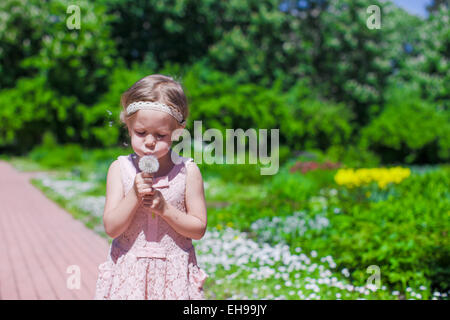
[{"x": 149, "y": 164}]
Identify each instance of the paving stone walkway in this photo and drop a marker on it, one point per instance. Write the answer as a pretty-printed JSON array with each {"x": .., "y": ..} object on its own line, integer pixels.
[{"x": 43, "y": 249}]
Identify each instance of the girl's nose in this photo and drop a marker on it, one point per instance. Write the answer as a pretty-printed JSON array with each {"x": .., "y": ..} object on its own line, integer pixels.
[{"x": 150, "y": 141}]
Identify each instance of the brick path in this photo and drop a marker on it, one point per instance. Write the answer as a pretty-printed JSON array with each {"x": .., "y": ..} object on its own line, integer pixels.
[{"x": 38, "y": 243}]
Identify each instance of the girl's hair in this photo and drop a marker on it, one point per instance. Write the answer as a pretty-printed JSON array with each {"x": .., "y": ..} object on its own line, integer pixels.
[{"x": 155, "y": 88}]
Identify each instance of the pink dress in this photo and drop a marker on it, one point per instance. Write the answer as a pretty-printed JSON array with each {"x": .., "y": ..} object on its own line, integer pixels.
[{"x": 150, "y": 260}]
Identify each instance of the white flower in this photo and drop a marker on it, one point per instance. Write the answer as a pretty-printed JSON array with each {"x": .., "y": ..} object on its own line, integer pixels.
[
  {"x": 149, "y": 164},
  {"x": 345, "y": 272}
]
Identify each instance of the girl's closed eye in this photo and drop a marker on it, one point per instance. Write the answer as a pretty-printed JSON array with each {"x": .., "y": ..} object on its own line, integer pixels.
[{"x": 158, "y": 136}]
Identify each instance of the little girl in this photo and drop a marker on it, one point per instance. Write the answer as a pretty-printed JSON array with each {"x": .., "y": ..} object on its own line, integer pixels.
[{"x": 153, "y": 217}]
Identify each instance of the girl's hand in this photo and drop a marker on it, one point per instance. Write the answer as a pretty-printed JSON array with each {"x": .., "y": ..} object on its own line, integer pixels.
[
  {"x": 143, "y": 183},
  {"x": 156, "y": 203}
]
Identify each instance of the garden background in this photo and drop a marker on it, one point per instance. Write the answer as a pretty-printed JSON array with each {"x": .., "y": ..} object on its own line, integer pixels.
[{"x": 363, "y": 118}]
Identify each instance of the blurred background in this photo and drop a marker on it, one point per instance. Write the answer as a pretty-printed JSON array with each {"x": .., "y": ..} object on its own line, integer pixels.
[{"x": 363, "y": 116}]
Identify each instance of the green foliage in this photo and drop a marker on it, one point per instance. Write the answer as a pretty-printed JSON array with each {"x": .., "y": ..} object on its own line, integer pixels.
[
  {"x": 64, "y": 69},
  {"x": 31, "y": 106},
  {"x": 427, "y": 66},
  {"x": 21, "y": 33},
  {"x": 89, "y": 164},
  {"x": 38, "y": 41},
  {"x": 409, "y": 130},
  {"x": 185, "y": 31},
  {"x": 318, "y": 124},
  {"x": 56, "y": 158},
  {"x": 223, "y": 102},
  {"x": 353, "y": 156},
  {"x": 402, "y": 229},
  {"x": 404, "y": 234},
  {"x": 75, "y": 62},
  {"x": 100, "y": 122}
]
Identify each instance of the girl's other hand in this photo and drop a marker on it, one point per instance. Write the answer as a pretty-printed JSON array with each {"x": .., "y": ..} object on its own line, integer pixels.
[{"x": 143, "y": 185}]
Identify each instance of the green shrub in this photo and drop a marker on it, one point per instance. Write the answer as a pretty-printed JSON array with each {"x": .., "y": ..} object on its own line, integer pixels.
[
  {"x": 29, "y": 108},
  {"x": 58, "y": 157},
  {"x": 409, "y": 130},
  {"x": 74, "y": 62}
]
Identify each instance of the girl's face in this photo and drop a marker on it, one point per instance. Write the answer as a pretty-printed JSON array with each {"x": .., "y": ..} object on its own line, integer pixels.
[{"x": 151, "y": 132}]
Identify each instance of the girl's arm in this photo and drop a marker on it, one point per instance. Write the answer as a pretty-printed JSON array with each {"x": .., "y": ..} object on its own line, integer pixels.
[
  {"x": 119, "y": 210},
  {"x": 192, "y": 224}
]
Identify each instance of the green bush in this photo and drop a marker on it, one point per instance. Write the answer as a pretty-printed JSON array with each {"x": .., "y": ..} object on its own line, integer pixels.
[
  {"x": 100, "y": 122},
  {"x": 75, "y": 62},
  {"x": 82, "y": 162},
  {"x": 30, "y": 107},
  {"x": 50, "y": 73},
  {"x": 58, "y": 157},
  {"x": 409, "y": 130},
  {"x": 317, "y": 124},
  {"x": 304, "y": 121}
]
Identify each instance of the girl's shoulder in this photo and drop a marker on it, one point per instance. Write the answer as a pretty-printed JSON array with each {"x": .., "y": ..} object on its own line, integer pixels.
[
  {"x": 126, "y": 164},
  {"x": 177, "y": 159}
]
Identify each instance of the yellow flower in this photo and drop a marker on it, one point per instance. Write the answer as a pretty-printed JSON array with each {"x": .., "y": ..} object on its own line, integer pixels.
[
  {"x": 382, "y": 176},
  {"x": 230, "y": 224},
  {"x": 219, "y": 226}
]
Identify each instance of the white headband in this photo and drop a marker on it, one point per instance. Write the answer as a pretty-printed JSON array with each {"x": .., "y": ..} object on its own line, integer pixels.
[{"x": 149, "y": 105}]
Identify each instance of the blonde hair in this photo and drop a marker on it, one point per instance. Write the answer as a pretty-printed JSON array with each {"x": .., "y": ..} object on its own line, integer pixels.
[{"x": 155, "y": 88}]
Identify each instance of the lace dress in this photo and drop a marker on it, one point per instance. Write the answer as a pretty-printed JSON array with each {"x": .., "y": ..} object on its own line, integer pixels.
[{"x": 150, "y": 260}]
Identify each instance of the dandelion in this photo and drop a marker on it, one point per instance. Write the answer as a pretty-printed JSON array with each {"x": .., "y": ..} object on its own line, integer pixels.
[{"x": 149, "y": 164}]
